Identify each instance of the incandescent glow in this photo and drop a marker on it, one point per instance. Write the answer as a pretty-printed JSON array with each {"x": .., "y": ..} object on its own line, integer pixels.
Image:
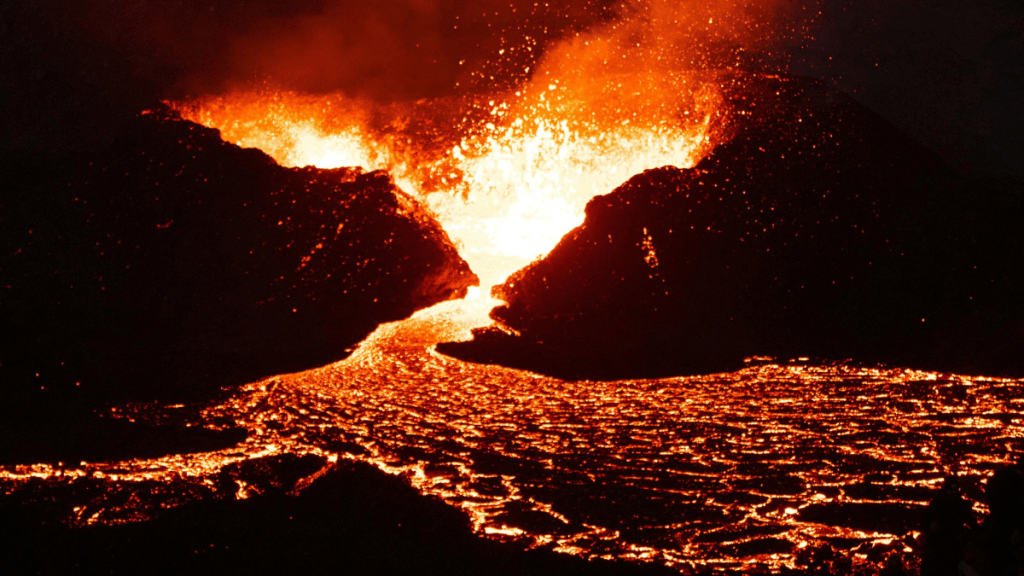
[
  {"x": 294, "y": 129},
  {"x": 523, "y": 181},
  {"x": 511, "y": 175},
  {"x": 510, "y": 172}
]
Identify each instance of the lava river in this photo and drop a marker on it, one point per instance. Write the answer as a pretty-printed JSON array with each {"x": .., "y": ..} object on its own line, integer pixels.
[{"x": 756, "y": 467}]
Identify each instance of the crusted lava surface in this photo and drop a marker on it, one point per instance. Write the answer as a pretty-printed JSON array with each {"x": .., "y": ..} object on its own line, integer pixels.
[
  {"x": 351, "y": 519},
  {"x": 816, "y": 229},
  {"x": 173, "y": 263}
]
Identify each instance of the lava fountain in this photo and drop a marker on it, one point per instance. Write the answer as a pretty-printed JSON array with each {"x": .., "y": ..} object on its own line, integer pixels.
[
  {"x": 724, "y": 471},
  {"x": 509, "y": 179},
  {"x": 507, "y": 174}
]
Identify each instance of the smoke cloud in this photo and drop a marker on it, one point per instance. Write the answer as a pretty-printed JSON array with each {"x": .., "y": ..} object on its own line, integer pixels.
[{"x": 949, "y": 73}]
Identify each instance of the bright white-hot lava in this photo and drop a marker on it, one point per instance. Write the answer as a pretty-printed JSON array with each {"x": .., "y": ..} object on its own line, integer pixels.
[{"x": 510, "y": 176}]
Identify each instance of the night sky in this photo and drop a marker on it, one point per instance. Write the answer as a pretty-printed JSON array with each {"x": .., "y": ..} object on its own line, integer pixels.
[{"x": 948, "y": 73}]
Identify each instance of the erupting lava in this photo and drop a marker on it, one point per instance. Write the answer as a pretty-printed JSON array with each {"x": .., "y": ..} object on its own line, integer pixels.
[
  {"x": 766, "y": 468},
  {"x": 508, "y": 174},
  {"x": 511, "y": 174}
]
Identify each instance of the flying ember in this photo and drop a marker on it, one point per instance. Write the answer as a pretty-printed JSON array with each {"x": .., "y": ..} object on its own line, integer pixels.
[{"x": 511, "y": 175}]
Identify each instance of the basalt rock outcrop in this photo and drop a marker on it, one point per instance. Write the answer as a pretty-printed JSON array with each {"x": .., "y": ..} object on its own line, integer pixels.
[
  {"x": 174, "y": 263},
  {"x": 816, "y": 229}
]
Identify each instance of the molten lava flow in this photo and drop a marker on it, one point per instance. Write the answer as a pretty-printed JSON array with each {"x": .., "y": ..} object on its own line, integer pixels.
[
  {"x": 512, "y": 175},
  {"x": 744, "y": 471}
]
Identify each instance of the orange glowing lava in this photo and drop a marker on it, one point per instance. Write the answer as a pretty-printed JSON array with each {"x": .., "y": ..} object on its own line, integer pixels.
[
  {"x": 512, "y": 174},
  {"x": 509, "y": 173}
]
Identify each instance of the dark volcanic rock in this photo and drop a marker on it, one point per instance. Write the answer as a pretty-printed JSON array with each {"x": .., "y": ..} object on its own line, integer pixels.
[
  {"x": 351, "y": 519},
  {"x": 815, "y": 230},
  {"x": 175, "y": 263}
]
